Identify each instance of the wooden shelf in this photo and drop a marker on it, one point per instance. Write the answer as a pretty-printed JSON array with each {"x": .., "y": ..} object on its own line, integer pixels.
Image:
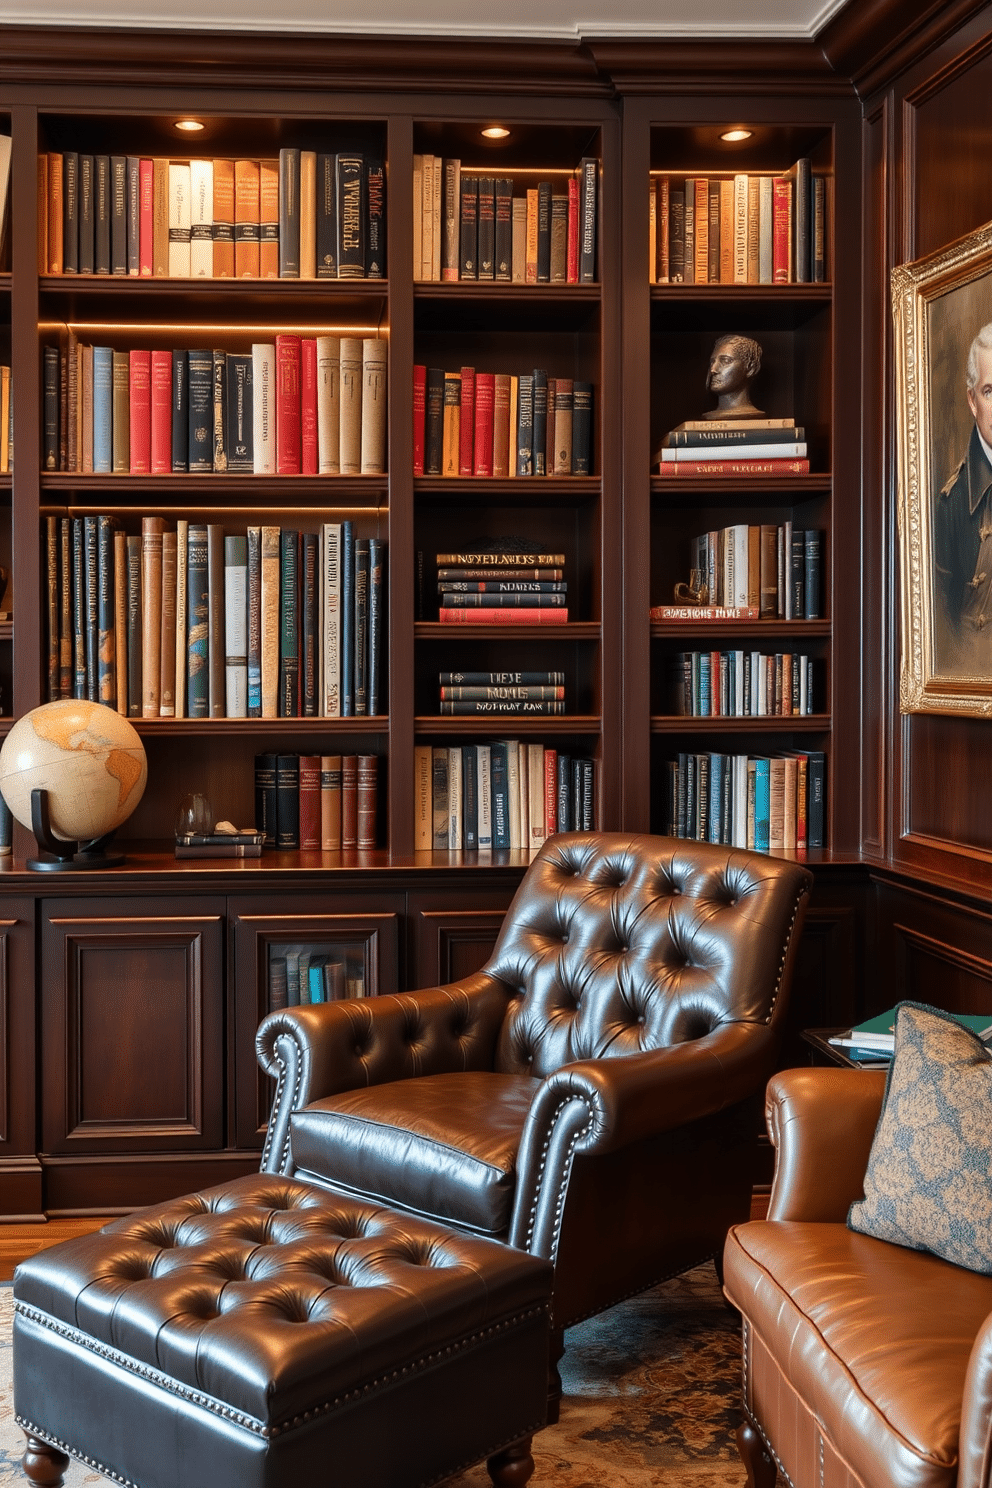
[
  {"x": 509, "y": 724},
  {"x": 578, "y": 630},
  {"x": 739, "y": 490},
  {"x": 793, "y": 723},
  {"x": 257, "y": 728},
  {"x": 532, "y": 490},
  {"x": 769, "y": 630},
  {"x": 303, "y": 492}
]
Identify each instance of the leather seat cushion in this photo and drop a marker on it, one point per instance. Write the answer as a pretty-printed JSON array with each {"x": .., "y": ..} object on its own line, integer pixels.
[
  {"x": 873, "y": 1339},
  {"x": 441, "y": 1145}
]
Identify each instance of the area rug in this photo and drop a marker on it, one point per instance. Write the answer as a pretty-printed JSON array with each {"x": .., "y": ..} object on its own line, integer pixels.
[{"x": 652, "y": 1396}]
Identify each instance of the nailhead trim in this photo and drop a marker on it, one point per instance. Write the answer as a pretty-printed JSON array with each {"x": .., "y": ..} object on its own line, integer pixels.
[
  {"x": 277, "y": 1104},
  {"x": 745, "y": 1360},
  {"x": 566, "y": 1174}
]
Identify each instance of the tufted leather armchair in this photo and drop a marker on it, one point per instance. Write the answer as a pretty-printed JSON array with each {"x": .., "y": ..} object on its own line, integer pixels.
[{"x": 593, "y": 1094}]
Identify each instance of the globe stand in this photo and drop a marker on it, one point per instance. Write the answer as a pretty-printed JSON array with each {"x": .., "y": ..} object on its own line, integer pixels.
[{"x": 67, "y": 855}]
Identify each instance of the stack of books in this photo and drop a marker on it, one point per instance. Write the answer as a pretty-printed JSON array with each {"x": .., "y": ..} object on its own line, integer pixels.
[
  {"x": 303, "y": 215},
  {"x": 298, "y": 405},
  {"x": 472, "y": 225},
  {"x": 767, "y": 572},
  {"x": 511, "y": 588},
  {"x": 317, "y": 803},
  {"x": 742, "y": 684},
  {"x": 764, "y": 804},
  {"x": 245, "y": 844},
  {"x": 194, "y": 622},
  {"x": 307, "y": 973},
  {"x": 508, "y": 793},
  {"x": 481, "y": 694},
  {"x": 734, "y": 447},
  {"x": 873, "y": 1041},
  {"x": 740, "y": 229},
  {"x": 470, "y": 423}
]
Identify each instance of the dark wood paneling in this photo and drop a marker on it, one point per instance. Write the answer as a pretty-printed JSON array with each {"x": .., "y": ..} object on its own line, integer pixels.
[
  {"x": 934, "y": 951},
  {"x": 20, "y": 1172},
  {"x": 953, "y": 189},
  {"x": 103, "y": 1185},
  {"x": 453, "y": 943}
]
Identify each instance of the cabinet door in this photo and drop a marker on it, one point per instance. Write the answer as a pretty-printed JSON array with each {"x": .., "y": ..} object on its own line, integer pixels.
[
  {"x": 453, "y": 937},
  {"x": 20, "y": 1170},
  {"x": 316, "y": 950},
  {"x": 132, "y": 1026}
]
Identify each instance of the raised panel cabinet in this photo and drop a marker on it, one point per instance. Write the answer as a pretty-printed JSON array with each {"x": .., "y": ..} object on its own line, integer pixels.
[{"x": 20, "y": 1170}]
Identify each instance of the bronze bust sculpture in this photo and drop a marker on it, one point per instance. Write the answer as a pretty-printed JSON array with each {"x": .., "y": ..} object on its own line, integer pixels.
[{"x": 734, "y": 364}]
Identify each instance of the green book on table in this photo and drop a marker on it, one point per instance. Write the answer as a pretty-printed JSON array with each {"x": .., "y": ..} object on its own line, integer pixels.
[{"x": 877, "y": 1035}]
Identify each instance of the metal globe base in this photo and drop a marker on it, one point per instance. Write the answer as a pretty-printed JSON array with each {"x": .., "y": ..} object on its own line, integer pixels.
[{"x": 66, "y": 856}]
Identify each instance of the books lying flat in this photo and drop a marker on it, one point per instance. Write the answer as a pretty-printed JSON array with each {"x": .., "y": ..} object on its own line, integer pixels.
[
  {"x": 527, "y": 616},
  {"x": 733, "y": 467},
  {"x": 877, "y": 1035},
  {"x": 729, "y": 449}
]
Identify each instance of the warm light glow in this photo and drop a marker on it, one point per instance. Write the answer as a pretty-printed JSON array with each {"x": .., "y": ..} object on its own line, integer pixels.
[
  {"x": 191, "y": 126},
  {"x": 732, "y": 136},
  {"x": 496, "y": 131}
]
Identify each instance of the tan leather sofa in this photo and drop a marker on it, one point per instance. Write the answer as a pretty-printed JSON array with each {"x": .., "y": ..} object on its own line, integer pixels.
[{"x": 866, "y": 1365}]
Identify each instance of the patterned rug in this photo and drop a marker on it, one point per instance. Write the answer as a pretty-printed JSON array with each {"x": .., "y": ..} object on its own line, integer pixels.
[{"x": 652, "y": 1396}]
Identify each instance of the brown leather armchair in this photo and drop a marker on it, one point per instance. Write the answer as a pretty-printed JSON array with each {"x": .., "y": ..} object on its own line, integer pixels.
[
  {"x": 592, "y": 1095},
  {"x": 866, "y": 1364}
]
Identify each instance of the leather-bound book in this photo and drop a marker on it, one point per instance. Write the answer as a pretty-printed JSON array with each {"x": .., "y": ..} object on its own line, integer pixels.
[
  {"x": 198, "y": 623},
  {"x": 375, "y": 219},
  {"x": 434, "y": 421},
  {"x": 223, "y": 220},
  {"x": 167, "y": 637},
  {"x": 329, "y": 405},
  {"x": 351, "y": 388},
  {"x": 219, "y": 408},
  {"x": 367, "y": 800},
  {"x": 120, "y": 620},
  {"x": 309, "y": 627},
  {"x": 451, "y": 424},
  {"x": 160, "y": 363},
  {"x": 239, "y": 427},
  {"x": 287, "y": 801},
  {"x": 377, "y": 593},
  {"x": 263, "y": 384},
  {"x": 270, "y": 622},
  {"x": 201, "y": 230},
  {"x": 563, "y": 426},
  {"x": 86, "y": 220},
  {"x": 182, "y": 603},
  {"x": 466, "y": 422},
  {"x": 268, "y": 207},
  {"x": 253, "y": 600},
  {"x": 374, "y": 379},
  {"x": 118, "y": 214},
  {"x": 330, "y": 802},
  {"x": 485, "y": 403},
  {"x": 152, "y": 528},
  {"x": 309, "y": 436},
  {"x": 235, "y": 626},
  {"x": 330, "y": 598},
  {"x": 265, "y": 797},
  {"x": 179, "y": 220},
  {"x": 351, "y": 215},
  {"x": 289, "y": 624},
  {"x": 308, "y": 217},
  {"x": 246, "y": 219},
  {"x": 200, "y": 384},
  {"x": 289, "y": 213},
  {"x": 70, "y": 212},
  {"x": 361, "y": 626},
  {"x": 327, "y": 217},
  {"x": 310, "y": 839},
  {"x": 501, "y": 425},
  {"x": 349, "y": 800},
  {"x": 134, "y": 629},
  {"x": 288, "y": 405},
  {"x": 121, "y": 447},
  {"x": 140, "y": 412},
  {"x": 180, "y": 411},
  {"x": 101, "y": 214}
]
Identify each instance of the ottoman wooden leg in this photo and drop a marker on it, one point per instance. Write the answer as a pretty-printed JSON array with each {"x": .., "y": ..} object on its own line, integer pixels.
[
  {"x": 761, "y": 1469},
  {"x": 45, "y": 1465},
  {"x": 512, "y": 1467}
]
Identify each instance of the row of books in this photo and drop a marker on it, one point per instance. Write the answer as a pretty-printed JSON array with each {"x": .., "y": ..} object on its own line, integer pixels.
[
  {"x": 6, "y": 423},
  {"x": 742, "y": 684},
  {"x": 508, "y": 793},
  {"x": 192, "y": 622},
  {"x": 317, "y": 802},
  {"x": 303, "y": 973},
  {"x": 470, "y": 423},
  {"x": 477, "y": 694},
  {"x": 504, "y": 587},
  {"x": 750, "y": 572},
  {"x": 756, "y": 802},
  {"x": 474, "y": 225},
  {"x": 739, "y": 229},
  {"x": 298, "y": 405},
  {"x": 306, "y": 215}
]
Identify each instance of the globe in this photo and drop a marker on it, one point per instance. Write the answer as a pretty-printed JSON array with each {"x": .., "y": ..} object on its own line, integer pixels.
[{"x": 88, "y": 758}]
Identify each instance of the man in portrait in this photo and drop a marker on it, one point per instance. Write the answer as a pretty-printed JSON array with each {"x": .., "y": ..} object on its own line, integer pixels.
[{"x": 963, "y": 530}]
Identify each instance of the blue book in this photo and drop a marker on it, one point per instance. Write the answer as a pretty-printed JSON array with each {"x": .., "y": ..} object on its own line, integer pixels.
[
  {"x": 500, "y": 794},
  {"x": 315, "y": 976},
  {"x": 289, "y": 624},
  {"x": 762, "y": 805},
  {"x": 103, "y": 405},
  {"x": 716, "y": 797},
  {"x": 347, "y": 619}
]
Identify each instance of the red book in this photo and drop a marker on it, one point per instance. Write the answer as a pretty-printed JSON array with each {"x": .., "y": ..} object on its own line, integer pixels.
[
  {"x": 733, "y": 467},
  {"x": 308, "y": 406},
  {"x": 146, "y": 217},
  {"x": 781, "y": 235},
  {"x": 349, "y": 800},
  {"x": 419, "y": 416},
  {"x": 523, "y": 616},
  {"x": 501, "y": 424},
  {"x": 572, "y": 248},
  {"x": 485, "y": 397},
  {"x": 161, "y": 412},
  {"x": 140, "y": 412},
  {"x": 310, "y": 801},
  {"x": 288, "y": 408},
  {"x": 466, "y": 427},
  {"x": 550, "y": 792}
]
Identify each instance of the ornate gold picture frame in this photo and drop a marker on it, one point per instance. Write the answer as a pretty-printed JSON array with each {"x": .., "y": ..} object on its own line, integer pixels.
[{"x": 942, "y": 313}]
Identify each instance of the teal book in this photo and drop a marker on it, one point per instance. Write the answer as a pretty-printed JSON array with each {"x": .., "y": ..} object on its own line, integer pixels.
[
  {"x": 877, "y": 1035},
  {"x": 500, "y": 792},
  {"x": 289, "y": 625},
  {"x": 762, "y": 805},
  {"x": 198, "y": 619},
  {"x": 103, "y": 405}
]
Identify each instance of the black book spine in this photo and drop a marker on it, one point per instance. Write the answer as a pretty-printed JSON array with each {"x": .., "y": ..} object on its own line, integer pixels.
[
  {"x": 102, "y": 203},
  {"x": 468, "y": 217},
  {"x": 351, "y": 216},
  {"x": 265, "y": 797},
  {"x": 91, "y": 607},
  {"x": 811, "y": 563},
  {"x": 563, "y": 820},
  {"x": 375, "y": 227},
  {"x": 434, "y": 421},
  {"x": 133, "y": 215},
  {"x": 816, "y": 786},
  {"x": 70, "y": 212},
  {"x": 220, "y": 410},
  {"x": 347, "y": 566},
  {"x": 180, "y": 412},
  {"x": 51, "y": 408},
  {"x": 504, "y": 228},
  {"x": 486, "y": 262},
  {"x": 361, "y": 627},
  {"x": 287, "y": 801},
  {"x": 239, "y": 429},
  {"x": 200, "y": 424},
  {"x": 118, "y": 214},
  {"x": 310, "y": 639},
  {"x": 107, "y": 639},
  {"x": 327, "y": 217},
  {"x": 588, "y": 209},
  {"x": 525, "y": 425},
  {"x": 575, "y": 782},
  {"x": 254, "y": 536},
  {"x": 134, "y": 627},
  {"x": 797, "y": 573},
  {"x": 289, "y": 624},
  {"x": 289, "y": 214},
  {"x": 86, "y": 215},
  {"x": 377, "y": 590},
  {"x": 801, "y": 198},
  {"x": 582, "y": 428},
  {"x": 540, "y": 436},
  {"x": 543, "y": 232}
]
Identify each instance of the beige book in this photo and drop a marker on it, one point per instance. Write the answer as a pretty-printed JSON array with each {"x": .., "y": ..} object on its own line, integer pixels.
[
  {"x": 270, "y": 622},
  {"x": 167, "y": 678},
  {"x": 330, "y": 802},
  {"x": 753, "y": 230},
  {"x": 423, "y": 798},
  {"x": 263, "y": 388},
  {"x": 151, "y": 615},
  {"x": 160, "y": 217},
  {"x": 120, "y": 618},
  {"x": 437, "y": 218},
  {"x": 268, "y": 211},
  {"x": 329, "y": 405},
  {"x": 452, "y": 220},
  {"x": 201, "y": 219},
  {"x": 765, "y": 223},
  {"x": 530, "y": 238},
  {"x": 740, "y": 229},
  {"x": 518, "y": 240},
  {"x": 427, "y": 219},
  {"x": 350, "y": 384},
  {"x": 84, "y": 409},
  {"x": 418, "y": 216},
  {"x": 456, "y": 820},
  {"x": 727, "y": 199},
  {"x": 535, "y": 788},
  {"x": 121, "y": 425},
  {"x": 308, "y": 214},
  {"x": 181, "y": 644},
  {"x": 375, "y": 351},
  {"x": 223, "y": 219},
  {"x": 513, "y": 791},
  {"x": 179, "y": 220}
]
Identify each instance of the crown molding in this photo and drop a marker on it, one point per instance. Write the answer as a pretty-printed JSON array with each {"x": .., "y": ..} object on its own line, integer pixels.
[
  {"x": 873, "y": 41},
  {"x": 702, "y": 66}
]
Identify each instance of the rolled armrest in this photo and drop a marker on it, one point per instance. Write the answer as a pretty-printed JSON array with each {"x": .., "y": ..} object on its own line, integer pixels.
[
  {"x": 316, "y": 1051},
  {"x": 975, "y": 1447},
  {"x": 821, "y": 1123}
]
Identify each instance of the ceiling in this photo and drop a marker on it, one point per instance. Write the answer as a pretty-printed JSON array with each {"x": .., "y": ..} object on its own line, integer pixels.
[{"x": 560, "y": 20}]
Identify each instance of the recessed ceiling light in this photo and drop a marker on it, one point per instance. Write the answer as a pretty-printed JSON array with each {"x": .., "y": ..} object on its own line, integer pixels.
[
  {"x": 496, "y": 131},
  {"x": 191, "y": 126},
  {"x": 732, "y": 136}
]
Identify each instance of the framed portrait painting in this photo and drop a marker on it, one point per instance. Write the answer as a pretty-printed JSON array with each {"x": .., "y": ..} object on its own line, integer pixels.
[{"x": 942, "y": 313}]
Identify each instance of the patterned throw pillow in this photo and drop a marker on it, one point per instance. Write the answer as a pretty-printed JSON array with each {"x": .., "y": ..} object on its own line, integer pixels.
[{"x": 929, "y": 1179}]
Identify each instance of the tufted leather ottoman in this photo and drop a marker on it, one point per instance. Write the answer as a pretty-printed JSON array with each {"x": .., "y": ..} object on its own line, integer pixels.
[{"x": 269, "y": 1333}]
